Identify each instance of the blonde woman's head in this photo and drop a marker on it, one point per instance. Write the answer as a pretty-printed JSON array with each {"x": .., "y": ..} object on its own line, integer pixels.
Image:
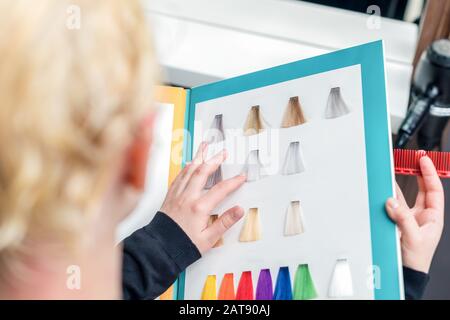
[{"x": 75, "y": 83}]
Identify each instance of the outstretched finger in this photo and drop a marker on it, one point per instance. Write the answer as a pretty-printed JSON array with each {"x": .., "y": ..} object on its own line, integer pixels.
[{"x": 223, "y": 223}]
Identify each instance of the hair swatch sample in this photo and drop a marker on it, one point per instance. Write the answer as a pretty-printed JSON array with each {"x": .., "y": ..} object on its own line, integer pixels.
[
  {"x": 304, "y": 288},
  {"x": 283, "y": 288},
  {"x": 251, "y": 230},
  {"x": 341, "y": 285},
  {"x": 226, "y": 291},
  {"x": 294, "y": 219},
  {"x": 255, "y": 122},
  {"x": 169, "y": 294},
  {"x": 211, "y": 220},
  {"x": 216, "y": 132},
  {"x": 264, "y": 288},
  {"x": 293, "y": 115},
  {"x": 253, "y": 168},
  {"x": 245, "y": 287},
  {"x": 336, "y": 106},
  {"x": 214, "y": 178},
  {"x": 209, "y": 289},
  {"x": 293, "y": 163}
]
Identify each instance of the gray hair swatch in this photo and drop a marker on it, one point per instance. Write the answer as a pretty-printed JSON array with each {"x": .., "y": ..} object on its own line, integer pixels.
[
  {"x": 216, "y": 132},
  {"x": 293, "y": 163},
  {"x": 336, "y": 106},
  {"x": 253, "y": 167},
  {"x": 214, "y": 178}
]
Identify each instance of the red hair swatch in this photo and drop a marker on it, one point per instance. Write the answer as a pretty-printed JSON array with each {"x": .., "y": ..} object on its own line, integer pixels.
[
  {"x": 226, "y": 291},
  {"x": 245, "y": 287}
]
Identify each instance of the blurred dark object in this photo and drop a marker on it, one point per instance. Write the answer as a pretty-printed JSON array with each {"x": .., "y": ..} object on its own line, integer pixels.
[
  {"x": 394, "y": 9},
  {"x": 430, "y": 98}
]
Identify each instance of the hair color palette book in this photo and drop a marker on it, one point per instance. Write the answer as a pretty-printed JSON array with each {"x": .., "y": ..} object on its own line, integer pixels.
[{"x": 313, "y": 138}]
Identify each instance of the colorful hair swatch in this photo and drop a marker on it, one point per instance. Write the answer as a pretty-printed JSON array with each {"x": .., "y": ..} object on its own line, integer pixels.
[
  {"x": 226, "y": 291},
  {"x": 336, "y": 106},
  {"x": 264, "y": 288},
  {"x": 293, "y": 163},
  {"x": 251, "y": 230},
  {"x": 216, "y": 132},
  {"x": 294, "y": 219},
  {"x": 209, "y": 289},
  {"x": 283, "y": 287},
  {"x": 253, "y": 168},
  {"x": 255, "y": 123},
  {"x": 211, "y": 220},
  {"x": 245, "y": 287},
  {"x": 214, "y": 178},
  {"x": 304, "y": 288},
  {"x": 341, "y": 285},
  {"x": 293, "y": 115}
]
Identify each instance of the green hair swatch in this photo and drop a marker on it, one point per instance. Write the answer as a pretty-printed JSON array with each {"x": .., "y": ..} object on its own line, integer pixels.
[{"x": 303, "y": 284}]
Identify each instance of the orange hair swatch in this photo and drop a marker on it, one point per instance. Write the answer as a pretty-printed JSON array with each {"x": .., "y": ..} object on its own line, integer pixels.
[{"x": 226, "y": 291}]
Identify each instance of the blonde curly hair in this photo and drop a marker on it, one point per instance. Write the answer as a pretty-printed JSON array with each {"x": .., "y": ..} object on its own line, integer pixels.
[{"x": 70, "y": 101}]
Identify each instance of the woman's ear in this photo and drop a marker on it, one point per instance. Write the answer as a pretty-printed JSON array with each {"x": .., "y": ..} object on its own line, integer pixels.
[{"x": 138, "y": 154}]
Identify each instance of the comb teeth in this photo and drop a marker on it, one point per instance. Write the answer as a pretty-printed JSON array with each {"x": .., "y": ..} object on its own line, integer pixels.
[{"x": 407, "y": 161}]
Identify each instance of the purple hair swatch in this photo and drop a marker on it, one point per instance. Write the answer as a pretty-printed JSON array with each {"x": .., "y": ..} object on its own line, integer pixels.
[{"x": 264, "y": 288}]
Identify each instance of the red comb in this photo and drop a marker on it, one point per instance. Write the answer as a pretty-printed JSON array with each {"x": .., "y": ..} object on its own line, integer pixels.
[{"x": 407, "y": 161}]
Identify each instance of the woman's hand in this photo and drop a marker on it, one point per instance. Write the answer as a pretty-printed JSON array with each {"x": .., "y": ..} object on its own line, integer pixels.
[
  {"x": 420, "y": 226},
  {"x": 190, "y": 206}
]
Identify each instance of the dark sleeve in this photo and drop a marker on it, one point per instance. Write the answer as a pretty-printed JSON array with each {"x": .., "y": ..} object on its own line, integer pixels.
[
  {"x": 154, "y": 256},
  {"x": 415, "y": 283}
]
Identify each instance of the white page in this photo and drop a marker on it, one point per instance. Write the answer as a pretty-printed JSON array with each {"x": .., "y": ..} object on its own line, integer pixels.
[{"x": 332, "y": 190}]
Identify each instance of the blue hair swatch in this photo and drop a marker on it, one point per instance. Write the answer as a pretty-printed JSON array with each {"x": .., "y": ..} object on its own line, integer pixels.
[{"x": 283, "y": 287}]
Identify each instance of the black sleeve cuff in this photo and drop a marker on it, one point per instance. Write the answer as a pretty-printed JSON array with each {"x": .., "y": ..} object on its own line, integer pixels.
[
  {"x": 415, "y": 283},
  {"x": 173, "y": 240}
]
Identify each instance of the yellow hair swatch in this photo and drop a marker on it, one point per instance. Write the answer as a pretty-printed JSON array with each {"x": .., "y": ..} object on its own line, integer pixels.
[{"x": 209, "y": 290}]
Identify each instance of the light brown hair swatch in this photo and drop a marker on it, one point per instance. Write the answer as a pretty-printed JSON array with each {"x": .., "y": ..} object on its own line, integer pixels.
[
  {"x": 293, "y": 115},
  {"x": 255, "y": 122},
  {"x": 211, "y": 220}
]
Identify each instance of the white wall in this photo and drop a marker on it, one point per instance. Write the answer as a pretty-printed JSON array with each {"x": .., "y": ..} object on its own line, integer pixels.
[{"x": 200, "y": 41}]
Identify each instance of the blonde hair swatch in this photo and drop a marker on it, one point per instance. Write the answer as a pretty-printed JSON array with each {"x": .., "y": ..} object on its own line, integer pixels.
[
  {"x": 209, "y": 289},
  {"x": 214, "y": 178},
  {"x": 294, "y": 219},
  {"x": 336, "y": 106},
  {"x": 216, "y": 132},
  {"x": 255, "y": 122},
  {"x": 253, "y": 168},
  {"x": 251, "y": 230},
  {"x": 211, "y": 220},
  {"x": 293, "y": 115},
  {"x": 293, "y": 163},
  {"x": 341, "y": 285}
]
